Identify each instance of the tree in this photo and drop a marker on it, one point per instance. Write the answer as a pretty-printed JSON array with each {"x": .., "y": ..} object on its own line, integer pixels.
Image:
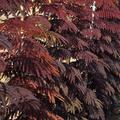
[{"x": 59, "y": 59}]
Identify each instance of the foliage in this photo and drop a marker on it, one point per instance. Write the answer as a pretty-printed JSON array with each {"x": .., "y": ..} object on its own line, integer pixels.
[{"x": 59, "y": 59}]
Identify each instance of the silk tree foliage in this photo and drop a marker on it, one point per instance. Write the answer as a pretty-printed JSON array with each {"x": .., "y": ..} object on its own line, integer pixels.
[{"x": 59, "y": 59}]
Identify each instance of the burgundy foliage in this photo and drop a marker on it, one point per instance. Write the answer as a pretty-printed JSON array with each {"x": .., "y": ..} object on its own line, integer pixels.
[{"x": 59, "y": 59}]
